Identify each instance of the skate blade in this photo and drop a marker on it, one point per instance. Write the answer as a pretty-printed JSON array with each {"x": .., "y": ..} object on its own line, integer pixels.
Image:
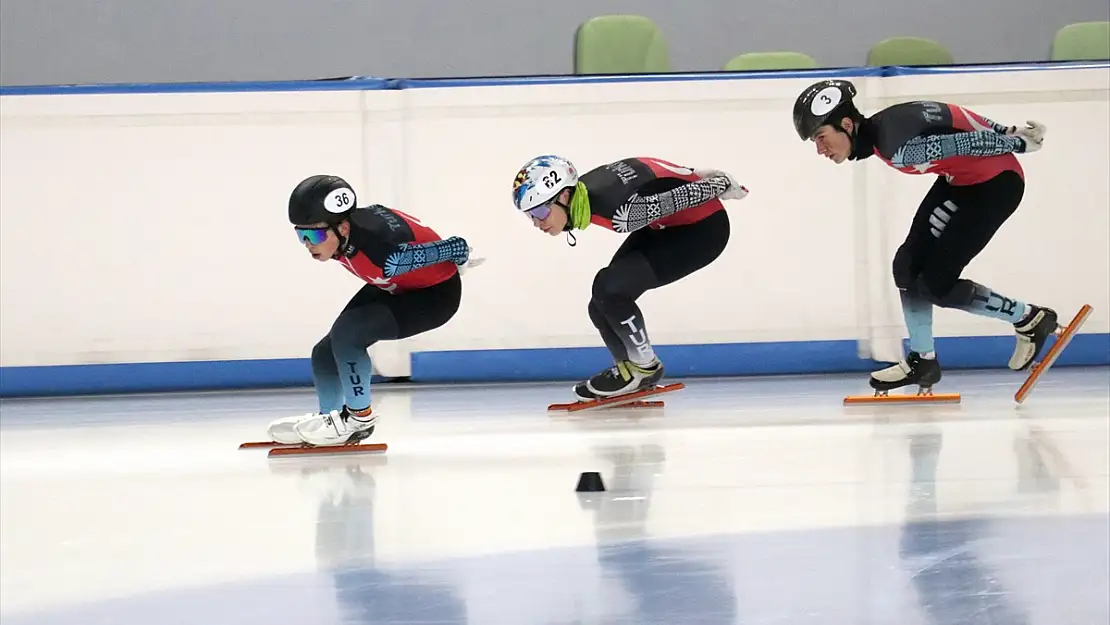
[
  {"x": 310, "y": 450},
  {"x": 924, "y": 398},
  {"x": 1062, "y": 340},
  {"x": 265, "y": 445},
  {"x": 631, "y": 400}
]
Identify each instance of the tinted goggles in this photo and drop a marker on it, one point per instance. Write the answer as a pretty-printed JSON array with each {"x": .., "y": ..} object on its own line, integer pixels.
[
  {"x": 314, "y": 236},
  {"x": 542, "y": 211}
]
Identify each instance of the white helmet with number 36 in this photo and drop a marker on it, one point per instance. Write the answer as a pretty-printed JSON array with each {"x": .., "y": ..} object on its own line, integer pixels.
[{"x": 541, "y": 179}]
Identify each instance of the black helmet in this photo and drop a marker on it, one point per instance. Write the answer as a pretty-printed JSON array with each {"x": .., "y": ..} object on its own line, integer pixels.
[
  {"x": 825, "y": 102},
  {"x": 321, "y": 198}
]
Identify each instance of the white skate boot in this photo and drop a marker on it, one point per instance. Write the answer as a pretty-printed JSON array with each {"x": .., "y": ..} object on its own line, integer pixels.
[
  {"x": 282, "y": 430},
  {"x": 1032, "y": 332},
  {"x": 344, "y": 427}
]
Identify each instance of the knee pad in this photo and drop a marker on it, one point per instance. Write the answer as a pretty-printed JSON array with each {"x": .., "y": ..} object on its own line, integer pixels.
[
  {"x": 902, "y": 270},
  {"x": 958, "y": 295}
]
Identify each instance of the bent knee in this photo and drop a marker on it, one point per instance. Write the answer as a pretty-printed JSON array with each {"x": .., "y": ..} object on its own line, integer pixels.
[
  {"x": 946, "y": 292},
  {"x": 322, "y": 349},
  {"x": 902, "y": 269},
  {"x": 344, "y": 331},
  {"x": 606, "y": 286}
]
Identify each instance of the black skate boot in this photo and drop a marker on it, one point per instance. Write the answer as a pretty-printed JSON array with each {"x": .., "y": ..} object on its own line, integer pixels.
[
  {"x": 1032, "y": 331},
  {"x": 623, "y": 378},
  {"x": 583, "y": 393},
  {"x": 924, "y": 372}
]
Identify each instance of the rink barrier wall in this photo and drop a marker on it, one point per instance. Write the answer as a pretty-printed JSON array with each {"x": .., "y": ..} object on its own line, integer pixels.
[
  {"x": 518, "y": 365},
  {"x": 400, "y": 142}
]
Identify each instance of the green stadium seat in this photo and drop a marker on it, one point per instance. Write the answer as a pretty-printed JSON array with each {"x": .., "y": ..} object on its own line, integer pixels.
[
  {"x": 908, "y": 51},
  {"x": 753, "y": 61},
  {"x": 620, "y": 44},
  {"x": 1082, "y": 41}
]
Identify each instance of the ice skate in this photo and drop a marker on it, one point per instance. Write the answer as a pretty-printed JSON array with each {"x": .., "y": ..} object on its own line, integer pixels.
[
  {"x": 914, "y": 369},
  {"x": 344, "y": 427},
  {"x": 1032, "y": 332},
  {"x": 623, "y": 385},
  {"x": 1063, "y": 338},
  {"x": 582, "y": 392},
  {"x": 621, "y": 379},
  {"x": 282, "y": 431}
]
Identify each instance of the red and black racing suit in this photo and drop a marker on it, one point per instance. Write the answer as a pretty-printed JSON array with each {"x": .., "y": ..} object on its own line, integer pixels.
[{"x": 675, "y": 225}]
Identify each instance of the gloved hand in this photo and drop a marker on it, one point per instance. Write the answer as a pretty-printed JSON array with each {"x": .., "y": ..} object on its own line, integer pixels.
[
  {"x": 736, "y": 191},
  {"x": 1032, "y": 134},
  {"x": 471, "y": 260}
]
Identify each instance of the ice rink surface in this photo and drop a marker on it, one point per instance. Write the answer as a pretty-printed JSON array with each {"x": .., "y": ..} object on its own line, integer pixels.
[{"x": 760, "y": 501}]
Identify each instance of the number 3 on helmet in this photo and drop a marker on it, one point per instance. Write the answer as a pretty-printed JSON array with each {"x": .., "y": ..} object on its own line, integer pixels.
[
  {"x": 542, "y": 179},
  {"x": 822, "y": 103}
]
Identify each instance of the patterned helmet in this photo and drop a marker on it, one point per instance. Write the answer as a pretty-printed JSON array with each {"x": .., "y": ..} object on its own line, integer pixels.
[{"x": 541, "y": 179}]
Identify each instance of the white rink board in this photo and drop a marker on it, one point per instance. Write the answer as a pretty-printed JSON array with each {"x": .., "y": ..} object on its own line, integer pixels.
[{"x": 162, "y": 215}]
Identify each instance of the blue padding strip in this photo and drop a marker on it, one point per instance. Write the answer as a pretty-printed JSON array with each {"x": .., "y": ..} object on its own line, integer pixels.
[
  {"x": 356, "y": 83},
  {"x": 517, "y": 365},
  {"x": 730, "y": 359},
  {"x": 155, "y": 377}
]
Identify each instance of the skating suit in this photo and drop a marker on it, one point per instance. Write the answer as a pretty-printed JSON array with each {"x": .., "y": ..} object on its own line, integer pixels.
[
  {"x": 631, "y": 193},
  {"x": 925, "y": 137},
  {"x": 395, "y": 252}
]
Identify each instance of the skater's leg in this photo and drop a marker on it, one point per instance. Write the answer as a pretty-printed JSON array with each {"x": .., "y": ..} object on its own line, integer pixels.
[
  {"x": 620, "y": 322},
  {"x": 918, "y": 313},
  {"x": 916, "y": 308},
  {"x": 908, "y": 262},
  {"x": 363, "y": 322},
  {"x": 351, "y": 335},
  {"x": 648, "y": 260},
  {"x": 426, "y": 309},
  {"x": 974, "y": 216},
  {"x": 331, "y": 394},
  {"x": 385, "y": 318},
  {"x": 963, "y": 226},
  {"x": 615, "y": 291},
  {"x": 373, "y": 316},
  {"x": 325, "y": 377},
  {"x": 612, "y": 342}
]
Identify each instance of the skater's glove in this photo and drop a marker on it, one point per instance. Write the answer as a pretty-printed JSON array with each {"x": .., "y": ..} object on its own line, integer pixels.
[
  {"x": 471, "y": 260},
  {"x": 1032, "y": 134},
  {"x": 736, "y": 191}
]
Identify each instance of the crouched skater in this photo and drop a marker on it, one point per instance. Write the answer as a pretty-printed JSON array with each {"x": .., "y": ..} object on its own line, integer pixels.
[
  {"x": 413, "y": 285},
  {"x": 979, "y": 184},
  {"x": 675, "y": 224}
]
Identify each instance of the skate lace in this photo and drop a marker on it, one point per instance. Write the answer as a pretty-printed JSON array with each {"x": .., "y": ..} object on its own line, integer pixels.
[{"x": 617, "y": 372}]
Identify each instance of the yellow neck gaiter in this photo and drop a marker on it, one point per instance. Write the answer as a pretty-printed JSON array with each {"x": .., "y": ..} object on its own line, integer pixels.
[{"x": 580, "y": 208}]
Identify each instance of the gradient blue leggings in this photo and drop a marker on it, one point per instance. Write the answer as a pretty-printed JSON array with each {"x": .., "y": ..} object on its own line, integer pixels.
[{"x": 341, "y": 366}]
